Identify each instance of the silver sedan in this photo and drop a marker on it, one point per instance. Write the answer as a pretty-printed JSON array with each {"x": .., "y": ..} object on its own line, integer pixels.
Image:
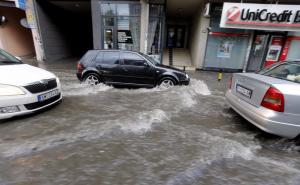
[{"x": 269, "y": 99}]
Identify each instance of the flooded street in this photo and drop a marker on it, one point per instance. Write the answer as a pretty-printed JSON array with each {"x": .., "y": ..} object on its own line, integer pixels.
[{"x": 183, "y": 136}]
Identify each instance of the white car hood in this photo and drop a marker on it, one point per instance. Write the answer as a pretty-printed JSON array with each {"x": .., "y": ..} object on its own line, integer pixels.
[{"x": 22, "y": 74}]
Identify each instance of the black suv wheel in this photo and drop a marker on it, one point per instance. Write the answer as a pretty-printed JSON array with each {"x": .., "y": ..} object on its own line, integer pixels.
[
  {"x": 92, "y": 79},
  {"x": 166, "y": 83}
]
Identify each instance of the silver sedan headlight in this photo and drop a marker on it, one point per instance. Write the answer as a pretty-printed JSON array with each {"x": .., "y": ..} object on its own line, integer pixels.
[{"x": 9, "y": 90}]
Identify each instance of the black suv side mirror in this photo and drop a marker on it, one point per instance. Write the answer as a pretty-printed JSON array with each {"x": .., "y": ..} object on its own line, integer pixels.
[{"x": 146, "y": 64}]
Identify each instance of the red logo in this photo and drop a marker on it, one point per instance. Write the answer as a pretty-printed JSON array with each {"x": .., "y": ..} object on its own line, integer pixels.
[{"x": 233, "y": 13}]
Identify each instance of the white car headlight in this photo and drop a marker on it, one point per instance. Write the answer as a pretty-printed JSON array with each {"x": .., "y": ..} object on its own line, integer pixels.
[
  {"x": 9, "y": 90},
  {"x": 187, "y": 76},
  {"x": 58, "y": 82}
]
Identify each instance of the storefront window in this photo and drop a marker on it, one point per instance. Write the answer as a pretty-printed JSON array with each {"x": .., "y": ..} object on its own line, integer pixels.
[
  {"x": 109, "y": 21},
  {"x": 226, "y": 48},
  {"x": 226, "y": 51},
  {"x": 121, "y": 23},
  {"x": 128, "y": 33},
  {"x": 128, "y": 9},
  {"x": 294, "y": 53},
  {"x": 154, "y": 38},
  {"x": 108, "y": 9}
]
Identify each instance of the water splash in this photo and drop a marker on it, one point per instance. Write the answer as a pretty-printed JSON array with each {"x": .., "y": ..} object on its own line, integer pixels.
[
  {"x": 189, "y": 94},
  {"x": 199, "y": 87},
  {"x": 86, "y": 131},
  {"x": 219, "y": 146},
  {"x": 82, "y": 89},
  {"x": 228, "y": 146},
  {"x": 143, "y": 121}
]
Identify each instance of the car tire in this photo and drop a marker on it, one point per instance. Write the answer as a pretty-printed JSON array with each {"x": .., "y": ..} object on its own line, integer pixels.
[
  {"x": 92, "y": 79},
  {"x": 166, "y": 83}
]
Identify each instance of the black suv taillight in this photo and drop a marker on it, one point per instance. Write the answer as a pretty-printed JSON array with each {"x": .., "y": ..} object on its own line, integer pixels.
[{"x": 80, "y": 68}]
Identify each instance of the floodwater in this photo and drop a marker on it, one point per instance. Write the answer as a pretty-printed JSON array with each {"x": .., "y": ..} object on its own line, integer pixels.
[{"x": 182, "y": 136}]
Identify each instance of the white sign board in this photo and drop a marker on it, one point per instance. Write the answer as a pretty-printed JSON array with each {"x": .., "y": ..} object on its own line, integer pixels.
[{"x": 261, "y": 16}]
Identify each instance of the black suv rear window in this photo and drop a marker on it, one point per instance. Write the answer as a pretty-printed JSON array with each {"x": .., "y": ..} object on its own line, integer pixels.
[
  {"x": 89, "y": 56},
  {"x": 110, "y": 57}
]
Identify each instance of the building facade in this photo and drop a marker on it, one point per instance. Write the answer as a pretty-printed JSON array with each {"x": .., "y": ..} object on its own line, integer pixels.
[
  {"x": 248, "y": 37},
  {"x": 208, "y": 35}
]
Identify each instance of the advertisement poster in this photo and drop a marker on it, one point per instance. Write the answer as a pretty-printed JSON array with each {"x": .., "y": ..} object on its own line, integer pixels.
[
  {"x": 273, "y": 53},
  {"x": 275, "y": 49},
  {"x": 124, "y": 36},
  {"x": 225, "y": 48}
]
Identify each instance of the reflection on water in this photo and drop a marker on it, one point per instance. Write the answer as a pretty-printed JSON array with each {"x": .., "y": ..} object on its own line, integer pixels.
[{"x": 104, "y": 135}]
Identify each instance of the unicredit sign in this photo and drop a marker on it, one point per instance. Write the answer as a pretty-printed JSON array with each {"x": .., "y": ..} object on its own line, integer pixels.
[
  {"x": 264, "y": 15},
  {"x": 261, "y": 16}
]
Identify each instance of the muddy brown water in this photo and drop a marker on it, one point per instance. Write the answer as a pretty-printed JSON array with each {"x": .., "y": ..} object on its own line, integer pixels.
[{"x": 182, "y": 136}]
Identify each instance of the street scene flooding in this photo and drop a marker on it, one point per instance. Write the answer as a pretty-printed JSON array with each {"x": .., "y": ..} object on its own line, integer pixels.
[{"x": 186, "y": 135}]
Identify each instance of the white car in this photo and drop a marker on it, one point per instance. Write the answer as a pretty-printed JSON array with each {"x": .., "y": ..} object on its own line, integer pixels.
[{"x": 25, "y": 89}]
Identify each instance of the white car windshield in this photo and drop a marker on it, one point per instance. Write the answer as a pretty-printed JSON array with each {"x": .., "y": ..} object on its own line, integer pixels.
[
  {"x": 7, "y": 59},
  {"x": 287, "y": 71}
]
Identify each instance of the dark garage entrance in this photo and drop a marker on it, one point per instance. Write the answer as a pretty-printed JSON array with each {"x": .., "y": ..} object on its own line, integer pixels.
[{"x": 66, "y": 28}]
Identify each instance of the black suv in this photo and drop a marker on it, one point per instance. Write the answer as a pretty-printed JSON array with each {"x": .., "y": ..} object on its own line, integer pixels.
[{"x": 118, "y": 67}]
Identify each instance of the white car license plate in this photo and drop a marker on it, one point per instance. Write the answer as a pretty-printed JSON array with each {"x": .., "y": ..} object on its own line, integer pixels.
[
  {"x": 244, "y": 91},
  {"x": 47, "y": 95}
]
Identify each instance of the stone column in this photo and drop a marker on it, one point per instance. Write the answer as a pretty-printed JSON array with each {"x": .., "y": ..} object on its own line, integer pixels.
[
  {"x": 32, "y": 19},
  {"x": 144, "y": 25}
]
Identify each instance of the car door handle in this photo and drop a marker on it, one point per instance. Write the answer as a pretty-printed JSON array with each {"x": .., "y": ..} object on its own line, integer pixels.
[{"x": 124, "y": 69}]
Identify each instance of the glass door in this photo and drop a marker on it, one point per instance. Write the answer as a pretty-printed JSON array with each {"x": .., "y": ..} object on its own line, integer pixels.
[
  {"x": 109, "y": 33},
  {"x": 176, "y": 36},
  {"x": 258, "y": 52},
  {"x": 108, "y": 38}
]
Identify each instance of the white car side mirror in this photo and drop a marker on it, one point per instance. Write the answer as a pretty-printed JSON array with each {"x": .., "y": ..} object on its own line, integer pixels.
[{"x": 19, "y": 58}]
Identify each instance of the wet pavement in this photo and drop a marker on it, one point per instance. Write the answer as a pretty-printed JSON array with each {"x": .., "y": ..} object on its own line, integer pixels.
[{"x": 103, "y": 135}]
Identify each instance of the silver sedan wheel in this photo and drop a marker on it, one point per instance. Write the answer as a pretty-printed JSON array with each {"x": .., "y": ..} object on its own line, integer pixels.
[
  {"x": 166, "y": 84},
  {"x": 92, "y": 80}
]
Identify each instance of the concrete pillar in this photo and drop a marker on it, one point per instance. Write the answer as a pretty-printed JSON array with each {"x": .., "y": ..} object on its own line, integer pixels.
[
  {"x": 96, "y": 20},
  {"x": 198, "y": 39},
  {"x": 144, "y": 26},
  {"x": 32, "y": 19},
  {"x": 205, "y": 22}
]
